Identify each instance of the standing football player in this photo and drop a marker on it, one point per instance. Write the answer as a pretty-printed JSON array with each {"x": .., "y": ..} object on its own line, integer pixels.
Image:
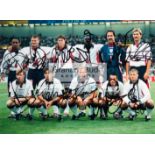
[
  {"x": 37, "y": 57},
  {"x": 113, "y": 55},
  {"x": 139, "y": 56},
  {"x": 11, "y": 61}
]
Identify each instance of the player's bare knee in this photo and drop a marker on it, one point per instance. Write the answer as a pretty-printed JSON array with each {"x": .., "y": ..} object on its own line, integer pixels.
[
  {"x": 10, "y": 103},
  {"x": 36, "y": 103},
  {"x": 71, "y": 103},
  {"x": 62, "y": 103},
  {"x": 149, "y": 104},
  {"x": 95, "y": 100},
  {"x": 132, "y": 106},
  {"x": 124, "y": 106},
  {"x": 31, "y": 102}
]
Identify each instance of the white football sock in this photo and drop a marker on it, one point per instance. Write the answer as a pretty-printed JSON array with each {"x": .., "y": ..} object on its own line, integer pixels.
[
  {"x": 61, "y": 110},
  {"x": 12, "y": 113},
  {"x": 84, "y": 111},
  {"x": 20, "y": 109},
  {"x": 43, "y": 110},
  {"x": 14, "y": 109},
  {"x": 55, "y": 109},
  {"x": 66, "y": 110},
  {"x": 31, "y": 110},
  {"x": 148, "y": 112},
  {"x": 91, "y": 110},
  {"x": 119, "y": 110},
  {"x": 74, "y": 110},
  {"x": 130, "y": 111}
]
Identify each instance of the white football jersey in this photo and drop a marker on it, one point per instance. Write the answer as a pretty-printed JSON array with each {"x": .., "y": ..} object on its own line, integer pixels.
[
  {"x": 78, "y": 88},
  {"x": 21, "y": 91},
  {"x": 50, "y": 89},
  {"x": 36, "y": 58},
  {"x": 92, "y": 57},
  {"x": 63, "y": 59},
  {"x": 138, "y": 56},
  {"x": 110, "y": 91},
  {"x": 11, "y": 61},
  {"x": 140, "y": 92}
]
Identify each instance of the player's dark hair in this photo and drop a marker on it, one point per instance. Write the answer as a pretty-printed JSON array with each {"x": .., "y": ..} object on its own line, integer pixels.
[
  {"x": 15, "y": 38},
  {"x": 111, "y": 31},
  {"x": 45, "y": 69},
  {"x": 61, "y": 37},
  {"x": 36, "y": 36},
  {"x": 20, "y": 71},
  {"x": 113, "y": 72}
]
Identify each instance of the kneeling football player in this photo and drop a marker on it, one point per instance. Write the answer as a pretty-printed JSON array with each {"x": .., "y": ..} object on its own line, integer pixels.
[
  {"x": 49, "y": 93},
  {"x": 82, "y": 90},
  {"x": 111, "y": 94},
  {"x": 138, "y": 96},
  {"x": 21, "y": 91}
]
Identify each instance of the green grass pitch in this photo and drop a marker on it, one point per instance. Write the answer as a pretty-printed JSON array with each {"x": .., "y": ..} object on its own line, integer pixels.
[{"x": 83, "y": 126}]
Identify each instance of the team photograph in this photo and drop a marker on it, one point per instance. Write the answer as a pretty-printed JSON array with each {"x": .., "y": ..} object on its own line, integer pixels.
[{"x": 77, "y": 77}]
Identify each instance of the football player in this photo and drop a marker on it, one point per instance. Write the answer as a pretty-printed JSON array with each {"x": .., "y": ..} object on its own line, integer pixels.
[
  {"x": 83, "y": 90},
  {"x": 21, "y": 91},
  {"x": 49, "y": 93},
  {"x": 138, "y": 96},
  {"x": 111, "y": 93}
]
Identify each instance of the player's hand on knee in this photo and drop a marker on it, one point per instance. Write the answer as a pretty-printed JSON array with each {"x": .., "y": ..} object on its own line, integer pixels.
[
  {"x": 137, "y": 104},
  {"x": 86, "y": 101},
  {"x": 115, "y": 103},
  {"x": 17, "y": 102},
  {"x": 132, "y": 105},
  {"x": 79, "y": 102},
  {"x": 101, "y": 102},
  {"x": 79, "y": 99},
  {"x": 31, "y": 101},
  {"x": 47, "y": 104}
]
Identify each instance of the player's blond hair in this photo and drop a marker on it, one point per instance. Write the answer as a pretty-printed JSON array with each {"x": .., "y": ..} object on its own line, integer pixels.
[
  {"x": 137, "y": 30},
  {"x": 82, "y": 66},
  {"x": 133, "y": 70}
]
